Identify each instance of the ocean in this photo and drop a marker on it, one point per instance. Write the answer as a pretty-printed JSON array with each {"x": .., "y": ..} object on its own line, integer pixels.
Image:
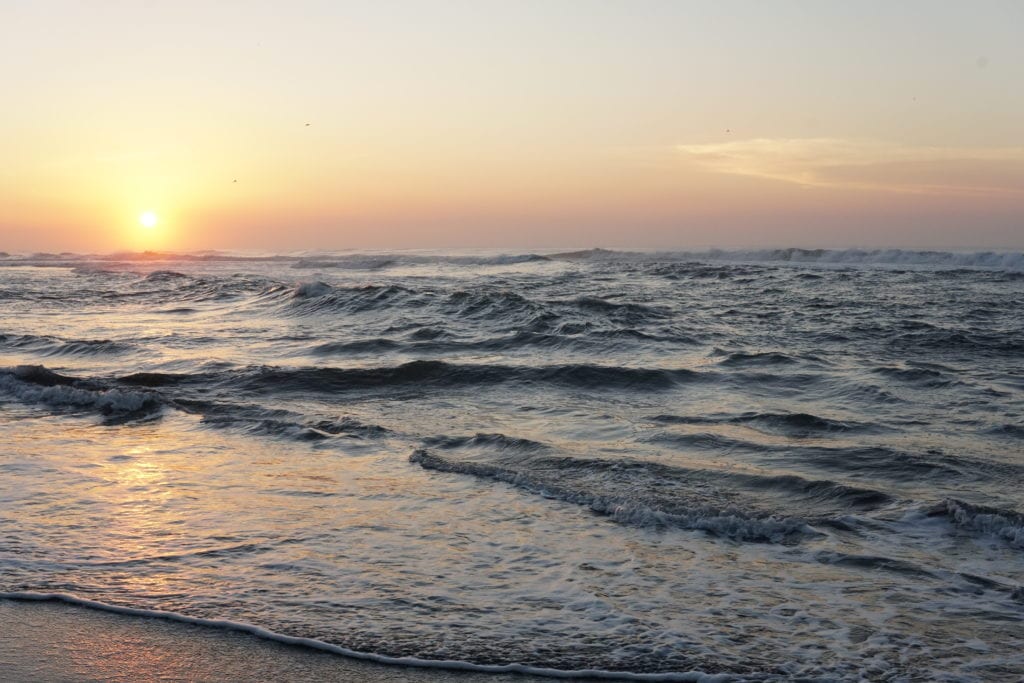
[{"x": 758, "y": 465}]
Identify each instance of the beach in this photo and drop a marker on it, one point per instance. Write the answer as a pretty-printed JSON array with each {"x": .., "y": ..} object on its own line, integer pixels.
[{"x": 495, "y": 342}]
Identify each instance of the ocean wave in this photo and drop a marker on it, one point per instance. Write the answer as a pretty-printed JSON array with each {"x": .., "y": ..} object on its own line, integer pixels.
[
  {"x": 503, "y": 307},
  {"x": 922, "y": 376},
  {"x": 308, "y": 290},
  {"x": 959, "y": 341},
  {"x": 630, "y": 312},
  {"x": 392, "y": 259},
  {"x": 36, "y": 384},
  {"x": 348, "y": 263},
  {"x": 315, "y": 298},
  {"x": 883, "y": 463},
  {"x": 1007, "y": 525},
  {"x": 500, "y": 313},
  {"x": 212, "y": 288},
  {"x": 509, "y": 343},
  {"x": 1010, "y": 261},
  {"x": 323, "y": 646},
  {"x": 159, "y": 288},
  {"x": 646, "y": 494},
  {"x": 366, "y": 346},
  {"x": 493, "y": 304},
  {"x": 39, "y": 385},
  {"x": 114, "y": 396},
  {"x": 827, "y": 494},
  {"x": 165, "y": 276},
  {"x": 695, "y": 270},
  {"x": 434, "y": 373},
  {"x": 52, "y": 346},
  {"x": 1015, "y": 431},
  {"x": 499, "y": 442},
  {"x": 296, "y": 430},
  {"x": 874, "y": 563},
  {"x": 788, "y": 424},
  {"x": 102, "y": 271},
  {"x": 770, "y": 358},
  {"x": 177, "y": 310},
  {"x": 155, "y": 379},
  {"x": 261, "y": 420}
]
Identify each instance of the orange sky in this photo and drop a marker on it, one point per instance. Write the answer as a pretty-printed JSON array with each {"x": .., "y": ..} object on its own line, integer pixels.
[{"x": 528, "y": 124}]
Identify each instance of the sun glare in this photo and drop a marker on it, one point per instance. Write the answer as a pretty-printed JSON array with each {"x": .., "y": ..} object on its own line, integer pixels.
[{"x": 147, "y": 219}]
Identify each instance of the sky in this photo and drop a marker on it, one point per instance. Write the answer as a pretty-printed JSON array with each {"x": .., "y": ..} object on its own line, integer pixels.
[{"x": 518, "y": 124}]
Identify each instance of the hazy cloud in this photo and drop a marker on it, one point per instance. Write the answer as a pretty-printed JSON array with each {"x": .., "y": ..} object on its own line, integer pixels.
[{"x": 867, "y": 164}]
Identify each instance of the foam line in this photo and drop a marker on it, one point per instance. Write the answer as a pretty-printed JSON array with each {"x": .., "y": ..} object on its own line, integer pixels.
[
  {"x": 997, "y": 260},
  {"x": 453, "y": 664}
]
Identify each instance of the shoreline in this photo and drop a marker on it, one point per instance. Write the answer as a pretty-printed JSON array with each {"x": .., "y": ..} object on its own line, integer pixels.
[
  {"x": 55, "y": 637},
  {"x": 58, "y": 641}
]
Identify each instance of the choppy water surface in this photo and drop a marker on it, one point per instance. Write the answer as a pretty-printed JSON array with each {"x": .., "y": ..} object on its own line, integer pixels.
[{"x": 764, "y": 464}]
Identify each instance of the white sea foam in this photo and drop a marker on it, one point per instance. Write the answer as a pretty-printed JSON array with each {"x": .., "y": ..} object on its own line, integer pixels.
[
  {"x": 455, "y": 665},
  {"x": 1003, "y": 524},
  {"x": 728, "y": 523},
  {"x": 992, "y": 259},
  {"x": 309, "y": 290},
  {"x": 106, "y": 401},
  {"x": 995, "y": 260}
]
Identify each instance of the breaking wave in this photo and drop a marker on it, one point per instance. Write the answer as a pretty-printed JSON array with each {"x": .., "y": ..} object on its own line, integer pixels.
[
  {"x": 1007, "y": 525},
  {"x": 36, "y": 384},
  {"x": 635, "y": 511},
  {"x": 1010, "y": 261},
  {"x": 414, "y": 662}
]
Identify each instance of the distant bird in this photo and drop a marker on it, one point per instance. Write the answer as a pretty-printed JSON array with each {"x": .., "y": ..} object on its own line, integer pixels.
[
  {"x": 307, "y": 124},
  {"x": 728, "y": 130},
  {"x": 235, "y": 180}
]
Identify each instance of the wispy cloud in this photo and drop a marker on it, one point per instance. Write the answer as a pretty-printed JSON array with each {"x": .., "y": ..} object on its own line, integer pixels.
[{"x": 867, "y": 164}]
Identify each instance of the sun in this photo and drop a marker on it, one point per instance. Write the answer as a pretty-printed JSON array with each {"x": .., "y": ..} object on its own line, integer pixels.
[{"x": 148, "y": 219}]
